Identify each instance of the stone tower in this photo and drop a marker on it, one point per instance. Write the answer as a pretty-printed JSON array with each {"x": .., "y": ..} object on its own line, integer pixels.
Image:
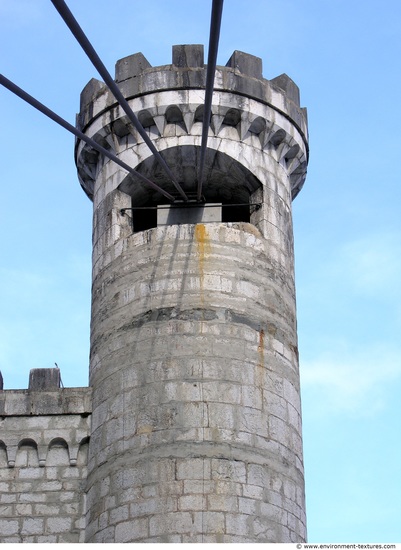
[{"x": 196, "y": 424}]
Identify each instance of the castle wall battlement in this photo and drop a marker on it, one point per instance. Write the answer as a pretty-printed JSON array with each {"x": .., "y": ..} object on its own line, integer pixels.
[
  {"x": 43, "y": 461},
  {"x": 168, "y": 101},
  {"x": 242, "y": 75}
]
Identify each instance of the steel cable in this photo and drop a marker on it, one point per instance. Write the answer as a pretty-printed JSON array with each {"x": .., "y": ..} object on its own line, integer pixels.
[
  {"x": 85, "y": 44},
  {"x": 215, "y": 23},
  {"x": 56, "y": 118}
]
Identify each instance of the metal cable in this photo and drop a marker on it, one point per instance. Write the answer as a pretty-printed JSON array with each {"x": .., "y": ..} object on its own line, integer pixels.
[
  {"x": 215, "y": 23},
  {"x": 56, "y": 118},
  {"x": 84, "y": 42}
]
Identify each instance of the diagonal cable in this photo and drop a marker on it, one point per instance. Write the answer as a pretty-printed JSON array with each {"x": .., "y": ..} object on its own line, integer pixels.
[
  {"x": 85, "y": 44},
  {"x": 215, "y": 23},
  {"x": 56, "y": 118}
]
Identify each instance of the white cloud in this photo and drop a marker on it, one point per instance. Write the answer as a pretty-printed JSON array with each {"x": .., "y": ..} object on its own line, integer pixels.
[
  {"x": 356, "y": 382},
  {"x": 373, "y": 263}
]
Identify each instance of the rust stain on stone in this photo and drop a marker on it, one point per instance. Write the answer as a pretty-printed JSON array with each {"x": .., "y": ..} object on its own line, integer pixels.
[
  {"x": 203, "y": 248},
  {"x": 202, "y": 240},
  {"x": 261, "y": 348},
  {"x": 203, "y": 245},
  {"x": 261, "y": 358}
]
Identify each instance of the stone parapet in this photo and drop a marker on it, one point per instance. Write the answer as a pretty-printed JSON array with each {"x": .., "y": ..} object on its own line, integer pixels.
[
  {"x": 161, "y": 99},
  {"x": 43, "y": 417},
  {"x": 242, "y": 74},
  {"x": 44, "y": 438},
  {"x": 53, "y": 402}
]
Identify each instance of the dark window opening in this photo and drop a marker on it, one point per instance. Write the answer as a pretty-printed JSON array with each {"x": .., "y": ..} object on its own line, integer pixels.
[
  {"x": 235, "y": 214},
  {"x": 145, "y": 217}
]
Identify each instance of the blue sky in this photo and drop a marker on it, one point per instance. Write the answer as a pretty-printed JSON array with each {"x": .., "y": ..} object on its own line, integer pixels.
[{"x": 345, "y": 56}]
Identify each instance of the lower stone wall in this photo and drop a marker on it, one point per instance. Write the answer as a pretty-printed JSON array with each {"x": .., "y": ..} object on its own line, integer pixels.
[
  {"x": 43, "y": 465},
  {"x": 196, "y": 500}
]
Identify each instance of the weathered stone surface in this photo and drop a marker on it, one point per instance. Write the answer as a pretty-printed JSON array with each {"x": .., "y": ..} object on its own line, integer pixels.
[
  {"x": 44, "y": 379},
  {"x": 246, "y": 64},
  {"x": 194, "y": 359},
  {"x": 241, "y": 78},
  {"x": 131, "y": 66},
  {"x": 290, "y": 88},
  {"x": 43, "y": 460},
  {"x": 53, "y": 402},
  {"x": 202, "y": 338},
  {"x": 195, "y": 434},
  {"x": 188, "y": 55}
]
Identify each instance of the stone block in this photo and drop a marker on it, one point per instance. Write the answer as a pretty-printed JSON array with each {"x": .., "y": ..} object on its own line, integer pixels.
[
  {"x": 32, "y": 526},
  {"x": 44, "y": 379},
  {"x": 68, "y": 496},
  {"x": 150, "y": 506},
  {"x": 274, "y": 513},
  {"x": 238, "y": 524},
  {"x": 258, "y": 475},
  {"x": 8, "y": 498},
  {"x": 131, "y": 531},
  {"x": 230, "y": 470},
  {"x": 222, "y": 503},
  {"x": 213, "y": 522},
  {"x": 119, "y": 513},
  {"x": 8, "y": 527},
  {"x": 193, "y": 468},
  {"x": 192, "y": 502},
  {"x": 266, "y": 530},
  {"x": 49, "y": 486},
  {"x": 275, "y": 405},
  {"x": 71, "y": 509},
  {"x": 221, "y": 391},
  {"x": 198, "y": 486},
  {"x": 222, "y": 415},
  {"x": 167, "y": 488},
  {"x": 247, "y": 506},
  {"x": 279, "y": 430},
  {"x": 130, "y": 66},
  {"x": 90, "y": 92},
  {"x": 251, "y": 397},
  {"x": 106, "y": 535},
  {"x": 47, "y": 539},
  {"x": 58, "y": 524},
  {"x": 253, "y": 492},
  {"x": 7, "y": 510},
  {"x": 32, "y": 497},
  {"x": 175, "y": 523},
  {"x": 246, "y": 64},
  {"x": 188, "y": 55},
  {"x": 290, "y": 88}
]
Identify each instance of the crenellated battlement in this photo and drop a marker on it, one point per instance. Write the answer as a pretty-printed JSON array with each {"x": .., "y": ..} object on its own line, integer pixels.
[
  {"x": 242, "y": 74},
  {"x": 260, "y": 114},
  {"x": 43, "y": 417},
  {"x": 44, "y": 436}
]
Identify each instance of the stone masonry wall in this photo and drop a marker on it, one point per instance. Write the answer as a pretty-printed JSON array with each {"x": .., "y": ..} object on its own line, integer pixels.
[
  {"x": 196, "y": 425},
  {"x": 196, "y": 431},
  {"x": 195, "y": 434},
  {"x": 43, "y": 464}
]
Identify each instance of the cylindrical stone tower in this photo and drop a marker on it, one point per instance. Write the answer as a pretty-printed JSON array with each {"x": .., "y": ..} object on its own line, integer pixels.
[{"x": 196, "y": 426}]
